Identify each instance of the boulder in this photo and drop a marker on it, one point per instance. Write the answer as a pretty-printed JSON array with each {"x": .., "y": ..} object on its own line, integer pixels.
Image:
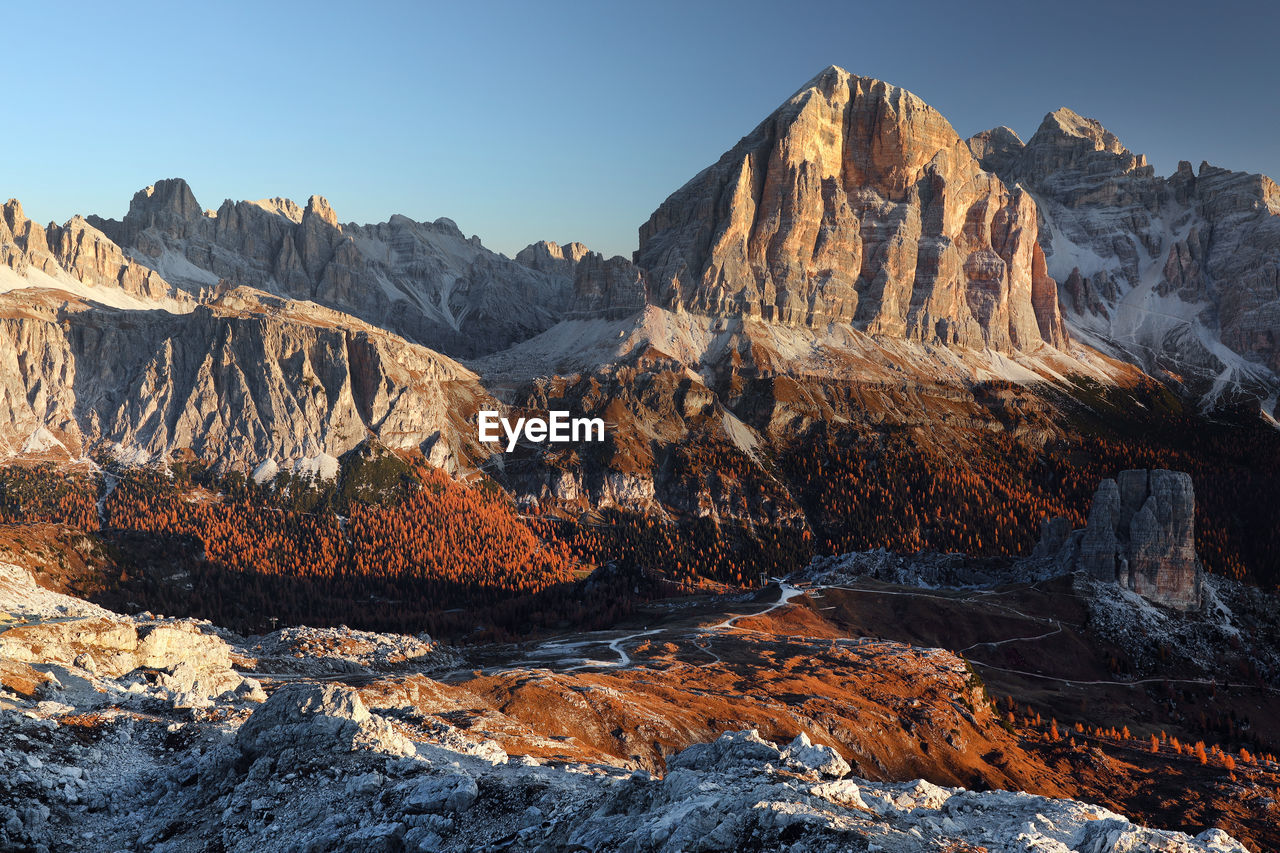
[
  {"x": 453, "y": 793},
  {"x": 803, "y": 754},
  {"x": 318, "y": 718},
  {"x": 169, "y": 645},
  {"x": 729, "y": 750}
]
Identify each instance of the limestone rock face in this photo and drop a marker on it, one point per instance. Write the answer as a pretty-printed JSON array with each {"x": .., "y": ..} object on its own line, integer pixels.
[
  {"x": 996, "y": 149},
  {"x": 1180, "y": 275},
  {"x": 436, "y": 794},
  {"x": 1140, "y": 534},
  {"x": 245, "y": 378},
  {"x": 607, "y": 287},
  {"x": 423, "y": 280},
  {"x": 74, "y": 253},
  {"x": 169, "y": 644},
  {"x": 856, "y": 202},
  {"x": 549, "y": 257},
  {"x": 193, "y": 665}
]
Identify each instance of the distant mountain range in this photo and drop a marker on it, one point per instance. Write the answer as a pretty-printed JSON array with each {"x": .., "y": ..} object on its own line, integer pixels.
[{"x": 852, "y": 245}]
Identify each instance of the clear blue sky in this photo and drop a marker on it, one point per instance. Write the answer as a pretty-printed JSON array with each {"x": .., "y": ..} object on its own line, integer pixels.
[{"x": 572, "y": 121}]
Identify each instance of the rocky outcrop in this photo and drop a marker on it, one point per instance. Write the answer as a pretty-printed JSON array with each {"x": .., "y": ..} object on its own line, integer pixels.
[
  {"x": 178, "y": 662},
  {"x": 743, "y": 793},
  {"x": 326, "y": 651},
  {"x": 93, "y": 762},
  {"x": 856, "y": 202},
  {"x": 1179, "y": 275},
  {"x": 317, "y": 717},
  {"x": 553, "y": 258},
  {"x": 1140, "y": 534},
  {"x": 74, "y": 254},
  {"x": 240, "y": 380},
  {"x": 610, "y": 288},
  {"x": 996, "y": 149},
  {"x": 423, "y": 280}
]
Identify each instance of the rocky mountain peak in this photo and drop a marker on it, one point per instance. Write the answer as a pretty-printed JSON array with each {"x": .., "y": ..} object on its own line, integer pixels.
[
  {"x": 551, "y": 257},
  {"x": 76, "y": 257},
  {"x": 286, "y": 207},
  {"x": 28, "y": 236},
  {"x": 13, "y": 212},
  {"x": 422, "y": 280},
  {"x": 894, "y": 134},
  {"x": 444, "y": 225},
  {"x": 1069, "y": 123},
  {"x": 855, "y": 201},
  {"x": 23, "y": 244},
  {"x": 1116, "y": 235},
  {"x": 1068, "y": 142},
  {"x": 826, "y": 79},
  {"x": 318, "y": 206},
  {"x": 610, "y": 288},
  {"x": 997, "y": 148},
  {"x": 164, "y": 200}
]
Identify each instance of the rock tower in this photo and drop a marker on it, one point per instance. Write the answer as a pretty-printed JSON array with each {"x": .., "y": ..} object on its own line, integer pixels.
[{"x": 1140, "y": 534}]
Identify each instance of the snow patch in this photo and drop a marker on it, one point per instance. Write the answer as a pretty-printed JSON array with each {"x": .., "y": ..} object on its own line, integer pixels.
[
  {"x": 174, "y": 266},
  {"x": 266, "y": 471},
  {"x": 42, "y": 441},
  {"x": 319, "y": 467},
  {"x": 741, "y": 435},
  {"x": 112, "y": 297}
]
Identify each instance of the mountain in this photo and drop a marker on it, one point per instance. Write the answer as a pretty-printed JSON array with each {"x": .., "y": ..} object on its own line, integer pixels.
[
  {"x": 609, "y": 288},
  {"x": 853, "y": 366},
  {"x": 1178, "y": 274},
  {"x": 245, "y": 379},
  {"x": 102, "y": 352},
  {"x": 850, "y": 264},
  {"x": 425, "y": 281},
  {"x": 78, "y": 258},
  {"x": 856, "y": 202}
]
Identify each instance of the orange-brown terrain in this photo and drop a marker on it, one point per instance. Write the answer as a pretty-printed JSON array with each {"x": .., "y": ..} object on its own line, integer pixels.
[
  {"x": 1015, "y": 687},
  {"x": 866, "y": 672}
]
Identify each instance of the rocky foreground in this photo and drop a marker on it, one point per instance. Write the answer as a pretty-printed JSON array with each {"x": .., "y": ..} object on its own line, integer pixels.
[{"x": 139, "y": 733}]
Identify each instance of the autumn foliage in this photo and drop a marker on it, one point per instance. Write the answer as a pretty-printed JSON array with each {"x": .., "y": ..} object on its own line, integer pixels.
[
  {"x": 437, "y": 547},
  {"x": 42, "y": 495},
  {"x": 408, "y": 548}
]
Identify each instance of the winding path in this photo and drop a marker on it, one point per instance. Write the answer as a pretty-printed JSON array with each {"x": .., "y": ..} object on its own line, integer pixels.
[{"x": 787, "y": 592}]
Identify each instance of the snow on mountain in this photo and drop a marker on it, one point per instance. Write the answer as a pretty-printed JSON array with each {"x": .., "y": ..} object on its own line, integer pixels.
[
  {"x": 852, "y": 236},
  {"x": 707, "y": 344},
  {"x": 1177, "y": 274},
  {"x": 110, "y": 297},
  {"x": 78, "y": 260}
]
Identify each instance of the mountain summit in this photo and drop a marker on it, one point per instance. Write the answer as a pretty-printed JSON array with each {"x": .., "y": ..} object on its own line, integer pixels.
[
  {"x": 856, "y": 201},
  {"x": 425, "y": 281},
  {"x": 1176, "y": 274}
]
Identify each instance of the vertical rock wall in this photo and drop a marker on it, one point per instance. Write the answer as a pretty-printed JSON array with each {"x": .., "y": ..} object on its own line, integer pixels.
[{"x": 1140, "y": 534}]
